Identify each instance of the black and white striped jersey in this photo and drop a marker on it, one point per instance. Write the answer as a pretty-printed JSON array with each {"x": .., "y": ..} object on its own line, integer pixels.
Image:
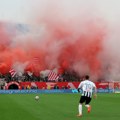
[{"x": 87, "y": 88}]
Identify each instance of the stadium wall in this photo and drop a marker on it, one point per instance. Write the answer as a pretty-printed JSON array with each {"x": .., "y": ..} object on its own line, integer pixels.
[
  {"x": 48, "y": 87},
  {"x": 61, "y": 85}
]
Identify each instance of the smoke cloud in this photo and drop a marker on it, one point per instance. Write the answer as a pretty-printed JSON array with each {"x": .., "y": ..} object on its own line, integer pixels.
[{"x": 73, "y": 35}]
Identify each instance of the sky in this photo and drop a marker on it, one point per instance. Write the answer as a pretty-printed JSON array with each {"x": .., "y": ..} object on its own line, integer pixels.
[
  {"x": 20, "y": 10},
  {"x": 13, "y": 10}
]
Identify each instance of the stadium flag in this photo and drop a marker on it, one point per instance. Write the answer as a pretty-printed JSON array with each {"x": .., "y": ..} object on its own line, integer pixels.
[
  {"x": 12, "y": 72},
  {"x": 35, "y": 60},
  {"x": 52, "y": 76},
  {"x": 36, "y": 65}
]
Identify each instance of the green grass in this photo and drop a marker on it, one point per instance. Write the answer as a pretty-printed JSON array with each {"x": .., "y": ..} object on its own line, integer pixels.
[{"x": 57, "y": 107}]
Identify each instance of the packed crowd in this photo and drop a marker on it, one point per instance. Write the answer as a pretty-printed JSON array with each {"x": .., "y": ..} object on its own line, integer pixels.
[{"x": 67, "y": 76}]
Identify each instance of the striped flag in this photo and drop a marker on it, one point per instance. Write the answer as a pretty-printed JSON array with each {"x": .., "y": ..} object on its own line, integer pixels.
[
  {"x": 36, "y": 60},
  {"x": 52, "y": 76},
  {"x": 34, "y": 65},
  {"x": 12, "y": 72}
]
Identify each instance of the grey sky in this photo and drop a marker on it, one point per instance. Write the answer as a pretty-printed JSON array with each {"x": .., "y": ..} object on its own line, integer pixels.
[
  {"x": 21, "y": 10},
  {"x": 13, "y": 10}
]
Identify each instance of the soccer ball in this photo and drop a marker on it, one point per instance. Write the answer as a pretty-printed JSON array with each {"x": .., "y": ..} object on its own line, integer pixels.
[{"x": 36, "y": 97}]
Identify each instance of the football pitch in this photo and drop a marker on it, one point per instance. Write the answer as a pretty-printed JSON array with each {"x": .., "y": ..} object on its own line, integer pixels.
[{"x": 57, "y": 107}]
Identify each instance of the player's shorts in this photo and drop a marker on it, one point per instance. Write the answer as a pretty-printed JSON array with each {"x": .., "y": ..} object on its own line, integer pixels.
[{"x": 85, "y": 99}]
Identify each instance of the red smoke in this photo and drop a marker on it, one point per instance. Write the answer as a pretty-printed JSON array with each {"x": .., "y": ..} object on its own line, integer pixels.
[
  {"x": 65, "y": 44},
  {"x": 84, "y": 48}
]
